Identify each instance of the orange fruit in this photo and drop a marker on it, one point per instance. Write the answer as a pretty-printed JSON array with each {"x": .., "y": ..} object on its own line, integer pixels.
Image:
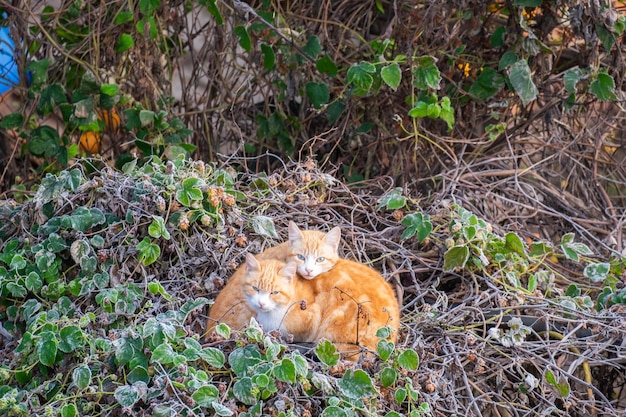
[
  {"x": 111, "y": 119},
  {"x": 90, "y": 142}
]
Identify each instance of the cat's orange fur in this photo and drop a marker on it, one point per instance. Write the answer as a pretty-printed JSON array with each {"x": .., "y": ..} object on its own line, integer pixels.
[
  {"x": 346, "y": 305},
  {"x": 312, "y": 251}
]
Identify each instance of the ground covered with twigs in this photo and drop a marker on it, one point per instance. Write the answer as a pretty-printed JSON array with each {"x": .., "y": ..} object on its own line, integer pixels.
[{"x": 96, "y": 287}]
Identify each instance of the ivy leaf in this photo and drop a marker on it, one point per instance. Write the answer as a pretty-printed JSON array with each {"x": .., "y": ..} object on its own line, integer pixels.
[
  {"x": 391, "y": 75},
  {"x": 47, "y": 346},
  {"x": 190, "y": 191},
  {"x": 426, "y": 75},
  {"x": 213, "y": 357},
  {"x": 157, "y": 228},
  {"x": 286, "y": 371},
  {"x": 206, "y": 395},
  {"x": 326, "y": 352},
  {"x": 360, "y": 75},
  {"x": 81, "y": 376},
  {"x": 245, "y": 392},
  {"x": 124, "y": 43},
  {"x": 417, "y": 223},
  {"x": 72, "y": 338},
  {"x": 357, "y": 384},
  {"x": 488, "y": 84},
  {"x": 388, "y": 377},
  {"x": 408, "y": 360},
  {"x": 571, "y": 78},
  {"x": 603, "y": 87},
  {"x": 148, "y": 251},
  {"x": 269, "y": 58},
  {"x": 597, "y": 272},
  {"x": 393, "y": 200},
  {"x": 318, "y": 93},
  {"x": 385, "y": 349},
  {"x": 325, "y": 65},
  {"x": 514, "y": 243},
  {"x": 264, "y": 226},
  {"x": 522, "y": 82},
  {"x": 313, "y": 47},
  {"x": 455, "y": 257},
  {"x": 244, "y": 38},
  {"x": 163, "y": 354}
]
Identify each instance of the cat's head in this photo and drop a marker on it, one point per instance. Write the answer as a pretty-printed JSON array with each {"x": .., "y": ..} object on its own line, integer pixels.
[
  {"x": 312, "y": 251},
  {"x": 268, "y": 285}
]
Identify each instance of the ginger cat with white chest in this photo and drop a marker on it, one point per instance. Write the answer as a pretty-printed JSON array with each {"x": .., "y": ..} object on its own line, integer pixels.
[
  {"x": 346, "y": 305},
  {"x": 311, "y": 252}
]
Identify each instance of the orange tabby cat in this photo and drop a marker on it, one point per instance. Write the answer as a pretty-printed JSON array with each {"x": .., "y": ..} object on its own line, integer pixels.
[
  {"x": 313, "y": 252},
  {"x": 346, "y": 305}
]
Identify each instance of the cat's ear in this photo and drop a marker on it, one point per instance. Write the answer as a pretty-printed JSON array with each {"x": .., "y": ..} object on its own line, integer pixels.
[
  {"x": 295, "y": 234},
  {"x": 289, "y": 270},
  {"x": 333, "y": 238},
  {"x": 252, "y": 265}
]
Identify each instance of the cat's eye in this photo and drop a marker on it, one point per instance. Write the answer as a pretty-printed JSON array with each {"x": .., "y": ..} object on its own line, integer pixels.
[
  {"x": 255, "y": 289},
  {"x": 300, "y": 257},
  {"x": 274, "y": 292},
  {"x": 320, "y": 259}
]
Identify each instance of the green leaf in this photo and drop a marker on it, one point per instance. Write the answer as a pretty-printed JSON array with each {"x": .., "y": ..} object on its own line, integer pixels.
[
  {"x": 69, "y": 410},
  {"x": 190, "y": 191},
  {"x": 597, "y": 272},
  {"x": 334, "y": 411},
  {"x": 313, "y": 47},
  {"x": 47, "y": 348},
  {"x": 155, "y": 287},
  {"x": 356, "y": 384},
  {"x": 285, "y": 371},
  {"x": 157, "y": 228},
  {"x": 423, "y": 109},
  {"x": 244, "y": 38},
  {"x": 83, "y": 219},
  {"x": 603, "y": 87},
  {"x": 522, "y": 82},
  {"x": 123, "y": 17},
  {"x": 527, "y": 3},
  {"x": 360, "y": 75},
  {"x": 146, "y": 117},
  {"x": 391, "y": 75},
  {"x": 50, "y": 98},
  {"x": 71, "y": 338},
  {"x": 16, "y": 290},
  {"x": 245, "y": 392},
  {"x": 325, "y": 65},
  {"x": 417, "y": 223},
  {"x": 514, "y": 243},
  {"x": 38, "y": 71},
  {"x": 447, "y": 112},
  {"x": 191, "y": 305},
  {"x": 264, "y": 226},
  {"x": 128, "y": 395},
  {"x": 497, "y": 37},
  {"x": 488, "y": 84},
  {"x": 400, "y": 395},
  {"x": 242, "y": 359},
  {"x": 33, "y": 282},
  {"x": 29, "y": 308},
  {"x": 538, "y": 249},
  {"x": 385, "y": 349},
  {"x": 393, "y": 200},
  {"x": 81, "y": 376},
  {"x": 163, "y": 354},
  {"x": 109, "y": 89},
  {"x": 455, "y": 257},
  {"x": 318, "y": 93},
  {"x": 426, "y": 75},
  {"x": 206, "y": 395},
  {"x": 562, "y": 388},
  {"x": 44, "y": 141},
  {"x": 326, "y": 352},
  {"x": 212, "y": 8},
  {"x": 408, "y": 360},
  {"x": 148, "y": 251},
  {"x": 124, "y": 43},
  {"x": 138, "y": 374},
  {"x": 223, "y": 330},
  {"x": 571, "y": 78},
  {"x": 269, "y": 58},
  {"x": 214, "y": 357},
  {"x": 388, "y": 376},
  {"x": 334, "y": 110},
  {"x": 12, "y": 121}
]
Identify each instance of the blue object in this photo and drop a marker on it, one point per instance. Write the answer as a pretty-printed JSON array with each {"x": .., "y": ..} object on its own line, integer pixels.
[{"x": 9, "y": 75}]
